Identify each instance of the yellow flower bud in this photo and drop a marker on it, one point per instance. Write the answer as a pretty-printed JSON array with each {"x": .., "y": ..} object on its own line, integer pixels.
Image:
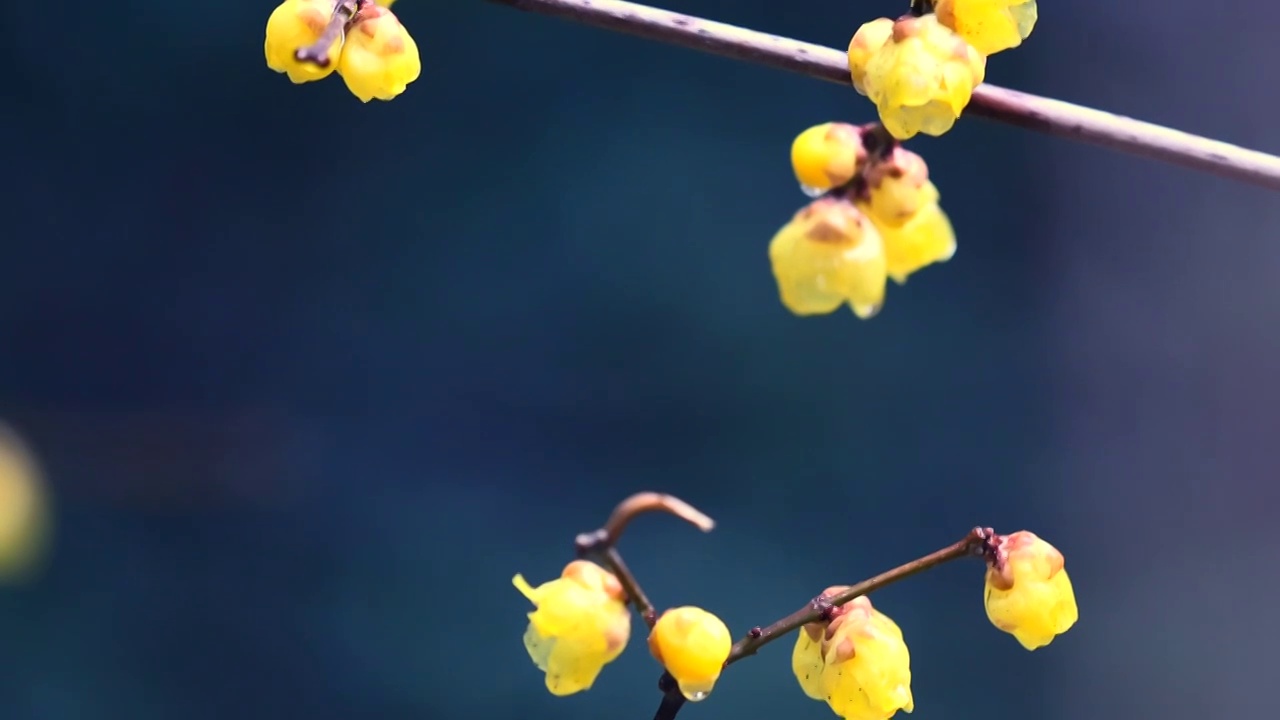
[
  {"x": 380, "y": 58},
  {"x": 24, "y": 513},
  {"x": 692, "y": 644},
  {"x": 385, "y": 3},
  {"x": 857, "y": 661},
  {"x": 1028, "y": 593},
  {"x": 923, "y": 77},
  {"x": 295, "y": 24},
  {"x": 989, "y": 25},
  {"x": 580, "y": 625},
  {"x": 865, "y": 43},
  {"x": 827, "y": 156}
]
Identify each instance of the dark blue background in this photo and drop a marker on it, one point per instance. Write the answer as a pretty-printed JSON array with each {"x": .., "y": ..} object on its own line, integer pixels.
[{"x": 312, "y": 379}]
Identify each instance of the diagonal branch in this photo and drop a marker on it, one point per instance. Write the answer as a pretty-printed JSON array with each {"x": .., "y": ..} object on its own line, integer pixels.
[
  {"x": 1032, "y": 112},
  {"x": 979, "y": 542}
]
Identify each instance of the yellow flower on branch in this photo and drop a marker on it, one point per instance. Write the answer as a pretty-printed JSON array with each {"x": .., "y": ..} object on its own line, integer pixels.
[
  {"x": 580, "y": 625},
  {"x": 1027, "y": 591},
  {"x": 989, "y": 25},
  {"x": 692, "y": 644},
  {"x": 923, "y": 77},
  {"x": 857, "y": 662}
]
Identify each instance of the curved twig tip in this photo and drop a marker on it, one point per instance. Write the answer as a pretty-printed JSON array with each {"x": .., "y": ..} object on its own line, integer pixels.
[{"x": 652, "y": 502}]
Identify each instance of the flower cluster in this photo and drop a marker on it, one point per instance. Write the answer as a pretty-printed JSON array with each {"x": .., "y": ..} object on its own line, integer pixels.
[
  {"x": 361, "y": 40},
  {"x": 855, "y": 658},
  {"x": 857, "y": 662},
  {"x": 920, "y": 70},
  {"x": 847, "y": 653},
  {"x": 877, "y": 219},
  {"x": 582, "y": 624}
]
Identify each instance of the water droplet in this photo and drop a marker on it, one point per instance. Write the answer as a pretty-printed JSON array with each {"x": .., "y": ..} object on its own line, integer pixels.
[
  {"x": 696, "y": 696},
  {"x": 811, "y": 191}
]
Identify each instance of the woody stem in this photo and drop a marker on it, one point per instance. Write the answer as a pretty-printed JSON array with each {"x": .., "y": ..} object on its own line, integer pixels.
[{"x": 1024, "y": 110}]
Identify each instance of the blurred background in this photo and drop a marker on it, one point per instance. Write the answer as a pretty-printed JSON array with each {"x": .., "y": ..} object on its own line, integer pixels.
[{"x": 308, "y": 381}]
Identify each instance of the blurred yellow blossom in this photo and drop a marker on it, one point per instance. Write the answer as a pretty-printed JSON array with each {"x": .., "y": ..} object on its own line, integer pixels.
[
  {"x": 827, "y": 155},
  {"x": 580, "y": 625},
  {"x": 24, "y": 508},
  {"x": 903, "y": 204},
  {"x": 1027, "y": 591},
  {"x": 827, "y": 255}
]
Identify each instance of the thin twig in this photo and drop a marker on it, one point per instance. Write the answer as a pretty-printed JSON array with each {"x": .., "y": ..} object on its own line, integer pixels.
[
  {"x": 630, "y": 586},
  {"x": 1032, "y": 112},
  {"x": 603, "y": 542},
  {"x": 979, "y": 542}
]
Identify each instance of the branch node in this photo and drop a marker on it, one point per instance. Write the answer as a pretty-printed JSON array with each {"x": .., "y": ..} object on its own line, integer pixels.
[
  {"x": 590, "y": 542},
  {"x": 755, "y": 632},
  {"x": 823, "y": 606}
]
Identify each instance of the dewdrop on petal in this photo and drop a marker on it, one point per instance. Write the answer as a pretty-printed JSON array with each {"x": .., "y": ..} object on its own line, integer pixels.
[
  {"x": 580, "y": 625},
  {"x": 293, "y": 25},
  {"x": 923, "y": 77},
  {"x": 692, "y": 644},
  {"x": 1027, "y": 591},
  {"x": 380, "y": 58},
  {"x": 865, "y": 43},
  {"x": 829, "y": 254},
  {"x": 827, "y": 156},
  {"x": 989, "y": 25}
]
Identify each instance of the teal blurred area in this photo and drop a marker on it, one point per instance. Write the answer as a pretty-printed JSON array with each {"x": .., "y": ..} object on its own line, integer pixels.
[{"x": 310, "y": 380}]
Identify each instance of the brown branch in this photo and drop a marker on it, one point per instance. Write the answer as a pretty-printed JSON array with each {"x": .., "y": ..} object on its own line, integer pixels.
[
  {"x": 603, "y": 542},
  {"x": 979, "y": 542},
  {"x": 1032, "y": 112}
]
